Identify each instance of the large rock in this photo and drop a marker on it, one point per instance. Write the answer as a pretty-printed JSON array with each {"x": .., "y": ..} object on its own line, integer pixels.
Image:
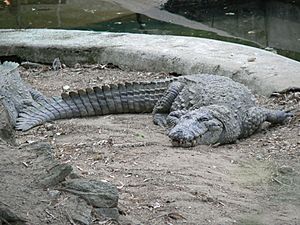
[
  {"x": 78, "y": 210},
  {"x": 7, "y": 216},
  {"x": 7, "y": 133},
  {"x": 263, "y": 72}
]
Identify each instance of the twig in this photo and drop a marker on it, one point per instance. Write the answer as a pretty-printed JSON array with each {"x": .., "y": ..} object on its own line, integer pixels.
[
  {"x": 28, "y": 65},
  {"x": 59, "y": 203},
  {"x": 221, "y": 203},
  {"x": 277, "y": 181},
  {"x": 4, "y": 203},
  {"x": 50, "y": 214},
  {"x": 133, "y": 145}
]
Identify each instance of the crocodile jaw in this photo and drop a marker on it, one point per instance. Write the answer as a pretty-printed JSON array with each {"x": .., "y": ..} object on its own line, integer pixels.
[{"x": 191, "y": 131}]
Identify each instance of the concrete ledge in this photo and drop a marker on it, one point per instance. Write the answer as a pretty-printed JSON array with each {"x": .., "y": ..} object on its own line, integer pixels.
[{"x": 264, "y": 72}]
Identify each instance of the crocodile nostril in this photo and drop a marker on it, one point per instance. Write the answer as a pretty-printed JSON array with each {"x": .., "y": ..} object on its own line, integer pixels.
[{"x": 180, "y": 134}]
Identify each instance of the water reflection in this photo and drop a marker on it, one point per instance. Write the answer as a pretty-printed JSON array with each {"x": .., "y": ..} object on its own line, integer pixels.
[
  {"x": 274, "y": 24},
  {"x": 57, "y": 13},
  {"x": 270, "y": 23}
]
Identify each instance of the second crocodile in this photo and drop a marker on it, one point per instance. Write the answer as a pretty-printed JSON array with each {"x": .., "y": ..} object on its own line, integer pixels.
[{"x": 196, "y": 109}]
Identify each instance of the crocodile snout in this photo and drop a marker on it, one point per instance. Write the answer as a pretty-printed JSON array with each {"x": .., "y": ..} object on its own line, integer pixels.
[
  {"x": 181, "y": 134},
  {"x": 185, "y": 136}
]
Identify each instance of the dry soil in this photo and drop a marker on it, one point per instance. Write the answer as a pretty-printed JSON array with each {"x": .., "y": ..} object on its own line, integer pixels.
[{"x": 255, "y": 181}]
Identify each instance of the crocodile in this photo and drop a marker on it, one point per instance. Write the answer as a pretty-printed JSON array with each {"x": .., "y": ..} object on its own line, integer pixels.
[
  {"x": 14, "y": 93},
  {"x": 195, "y": 109}
]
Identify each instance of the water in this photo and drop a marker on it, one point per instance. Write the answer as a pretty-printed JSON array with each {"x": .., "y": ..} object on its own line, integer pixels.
[{"x": 272, "y": 24}]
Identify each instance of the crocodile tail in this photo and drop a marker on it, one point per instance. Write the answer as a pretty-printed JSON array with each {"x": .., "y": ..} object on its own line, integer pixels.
[
  {"x": 7, "y": 67},
  {"x": 135, "y": 97}
]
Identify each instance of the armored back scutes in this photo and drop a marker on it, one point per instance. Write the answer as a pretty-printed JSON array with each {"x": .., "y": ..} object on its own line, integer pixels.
[
  {"x": 136, "y": 97},
  {"x": 7, "y": 67}
]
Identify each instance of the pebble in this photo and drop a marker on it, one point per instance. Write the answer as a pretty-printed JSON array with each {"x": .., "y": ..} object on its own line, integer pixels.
[
  {"x": 66, "y": 88},
  {"x": 53, "y": 193},
  {"x": 285, "y": 169},
  {"x": 252, "y": 59},
  {"x": 49, "y": 126}
]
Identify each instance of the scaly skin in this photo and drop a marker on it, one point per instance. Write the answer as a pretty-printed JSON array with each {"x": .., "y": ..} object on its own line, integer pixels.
[
  {"x": 197, "y": 109},
  {"x": 14, "y": 93}
]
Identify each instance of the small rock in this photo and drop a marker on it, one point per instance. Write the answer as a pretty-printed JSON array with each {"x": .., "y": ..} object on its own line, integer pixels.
[
  {"x": 259, "y": 157},
  {"x": 78, "y": 210},
  {"x": 55, "y": 175},
  {"x": 30, "y": 141},
  {"x": 53, "y": 193},
  {"x": 252, "y": 59},
  {"x": 285, "y": 169},
  {"x": 96, "y": 193},
  {"x": 49, "y": 126},
  {"x": 9, "y": 217},
  {"x": 271, "y": 50},
  {"x": 112, "y": 213},
  {"x": 66, "y": 88},
  {"x": 41, "y": 148},
  {"x": 77, "y": 65},
  {"x": 156, "y": 205},
  {"x": 75, "y": 173}
]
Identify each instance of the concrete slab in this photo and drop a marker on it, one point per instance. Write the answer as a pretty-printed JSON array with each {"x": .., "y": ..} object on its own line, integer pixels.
[{"x": 264, "y": 72}]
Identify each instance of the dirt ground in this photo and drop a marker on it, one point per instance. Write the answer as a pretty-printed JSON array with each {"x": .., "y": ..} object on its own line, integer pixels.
[{"x": 253, "y": 182}]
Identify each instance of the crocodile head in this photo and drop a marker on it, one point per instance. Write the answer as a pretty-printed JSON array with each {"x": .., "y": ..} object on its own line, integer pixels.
[{"x": 196, "y": 127}]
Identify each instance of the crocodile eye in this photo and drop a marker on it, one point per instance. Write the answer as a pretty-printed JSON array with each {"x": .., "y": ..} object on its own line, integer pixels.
[
  {"x": 175, "y": 114},
  {"x": 213, "y": 125},
  {"x": 202, "y": 119},
  {"x": 187, "y": 117}
]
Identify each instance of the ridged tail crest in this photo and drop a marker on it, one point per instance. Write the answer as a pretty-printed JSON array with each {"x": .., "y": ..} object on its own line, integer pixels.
[
  {"x": 135, "y": 97},
  {"x": 7, "y": 67}
]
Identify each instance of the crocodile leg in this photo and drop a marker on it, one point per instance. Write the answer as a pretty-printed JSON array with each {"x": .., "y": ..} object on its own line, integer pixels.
[
  {"x": 173, "y": 117},
  {"x": 277, "y": 116},
  {"x": 33, "y": 115},
  {"x": 256, "y": 116},
  {"x": 163, "y": 106}
]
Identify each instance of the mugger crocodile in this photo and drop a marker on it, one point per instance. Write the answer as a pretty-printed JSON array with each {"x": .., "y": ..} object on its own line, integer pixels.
[{"x": 196, "y": 109}]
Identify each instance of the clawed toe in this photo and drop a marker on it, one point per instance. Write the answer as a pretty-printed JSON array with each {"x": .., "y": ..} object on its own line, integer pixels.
[{"x": 160, "y": 120}]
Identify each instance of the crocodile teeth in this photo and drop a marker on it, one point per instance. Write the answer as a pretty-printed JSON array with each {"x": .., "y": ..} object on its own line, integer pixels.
[
  {"x": 184, "y": 143},
  {"x": 194, "y": 142},
  {"x": 175, "y": 143}
]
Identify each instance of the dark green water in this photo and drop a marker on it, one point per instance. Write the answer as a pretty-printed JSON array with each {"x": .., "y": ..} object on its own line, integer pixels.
[
  {"x": 137, "y": 23},
  {"x": 272, "y": 24}
]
